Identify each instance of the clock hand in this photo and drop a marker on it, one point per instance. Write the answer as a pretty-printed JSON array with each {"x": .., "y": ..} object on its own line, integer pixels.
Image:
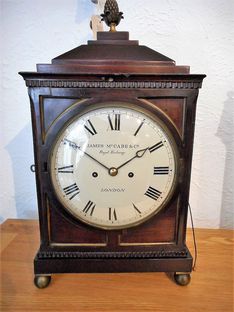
[
  {"x": 139, "y": 154},
  {"x": 74, "y": 145}
]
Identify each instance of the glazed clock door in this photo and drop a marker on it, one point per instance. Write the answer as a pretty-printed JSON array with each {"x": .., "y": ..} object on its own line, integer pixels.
[{"x": 114, "y": 166}]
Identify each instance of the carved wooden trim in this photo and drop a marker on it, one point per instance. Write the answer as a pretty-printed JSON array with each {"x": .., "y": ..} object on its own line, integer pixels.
[
  {"x": 115, "y": 84},
  {"x": 112, "y": 255}
]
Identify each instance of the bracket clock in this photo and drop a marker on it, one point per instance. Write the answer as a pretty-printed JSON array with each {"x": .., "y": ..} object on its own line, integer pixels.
[{"x": 113, "y": 127}]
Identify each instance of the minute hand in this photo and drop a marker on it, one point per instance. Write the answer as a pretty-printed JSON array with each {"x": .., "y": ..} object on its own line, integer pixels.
[
  {"x": 139, "y": 154},
  {"x": 74, "y": 145}
]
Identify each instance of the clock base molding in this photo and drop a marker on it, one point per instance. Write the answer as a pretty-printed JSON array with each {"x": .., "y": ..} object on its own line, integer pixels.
[{"x": 53, "y": 262}]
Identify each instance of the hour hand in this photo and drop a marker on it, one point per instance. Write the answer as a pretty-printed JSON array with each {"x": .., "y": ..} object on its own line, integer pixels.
[{"x": 138, "y": 154}]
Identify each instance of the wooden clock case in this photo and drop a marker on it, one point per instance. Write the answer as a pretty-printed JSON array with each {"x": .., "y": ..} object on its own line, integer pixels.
[{"x": 112, "y": 68}]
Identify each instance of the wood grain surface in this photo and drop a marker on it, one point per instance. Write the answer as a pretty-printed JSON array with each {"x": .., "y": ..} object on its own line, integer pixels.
[{"x": 211, "y": 288}]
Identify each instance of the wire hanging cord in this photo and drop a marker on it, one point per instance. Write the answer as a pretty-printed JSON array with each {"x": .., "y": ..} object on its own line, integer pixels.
[{"x": 194, "y": 239}]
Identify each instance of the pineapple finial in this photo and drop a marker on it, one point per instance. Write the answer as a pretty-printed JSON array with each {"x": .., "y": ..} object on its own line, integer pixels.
[{"x": 112, "y": 16}]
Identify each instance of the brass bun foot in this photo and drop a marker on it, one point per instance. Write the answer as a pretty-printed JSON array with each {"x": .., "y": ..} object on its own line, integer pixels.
[
  {"x": 42, "y": 281},
  {"x": 182, "y": 279}
]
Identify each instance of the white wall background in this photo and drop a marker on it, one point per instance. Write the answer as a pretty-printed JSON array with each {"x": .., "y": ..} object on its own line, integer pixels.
[{"x": 197, "y": 33}]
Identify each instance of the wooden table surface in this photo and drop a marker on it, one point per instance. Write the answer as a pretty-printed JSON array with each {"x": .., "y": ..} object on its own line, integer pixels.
[{"x": 211, "y": 287}]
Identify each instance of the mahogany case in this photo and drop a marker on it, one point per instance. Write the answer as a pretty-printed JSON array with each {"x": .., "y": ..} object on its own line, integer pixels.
[{"x": 113, "y": 67}]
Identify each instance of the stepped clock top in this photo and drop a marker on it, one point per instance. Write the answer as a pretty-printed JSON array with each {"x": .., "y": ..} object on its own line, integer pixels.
[
  {"x": 112, "y": 16},
  {"x": 112, "y": 53}
]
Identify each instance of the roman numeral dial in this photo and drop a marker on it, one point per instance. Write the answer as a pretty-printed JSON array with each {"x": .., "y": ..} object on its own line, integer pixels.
[
  {"x": 153, "y": 193},
  {"x": 90, "y": 128},
  {"x": 112, "y": 166},
  {"x": 139, "y": 128},
  {"x": 112, "y": 214},
  {"x": 114, "y": 122},
  {"x": 72, "y": 190},
  {"x": 136, "y": 209},
  {"x": 89, "y": 208},
  {"x": 161, "y": 170},
  {"x": 66, "y": 169},
  {"x": 156, "y": 147}
]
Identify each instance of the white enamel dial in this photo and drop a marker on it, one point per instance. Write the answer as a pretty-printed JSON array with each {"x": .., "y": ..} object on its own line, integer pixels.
[{"x": 113, "y": 167}]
